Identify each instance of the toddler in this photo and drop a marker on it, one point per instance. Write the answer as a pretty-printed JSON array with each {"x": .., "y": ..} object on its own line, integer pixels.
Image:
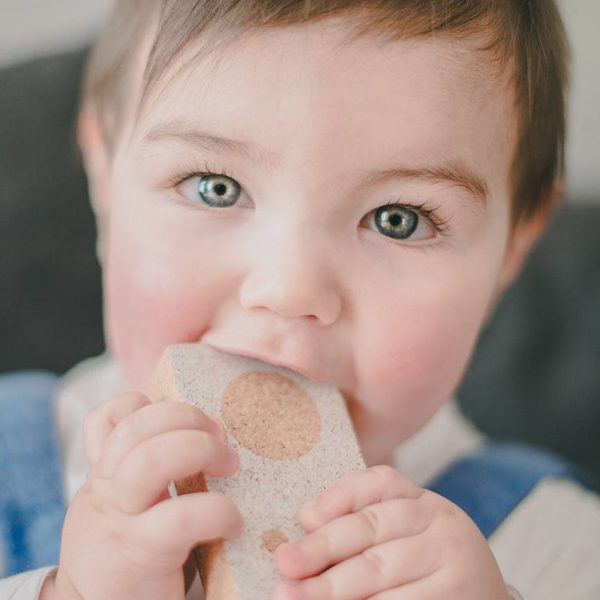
[{"x": 345, "y": 188}]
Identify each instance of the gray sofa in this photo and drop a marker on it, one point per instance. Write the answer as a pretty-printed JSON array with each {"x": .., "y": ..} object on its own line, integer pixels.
[{"x": 535, "y": 375}]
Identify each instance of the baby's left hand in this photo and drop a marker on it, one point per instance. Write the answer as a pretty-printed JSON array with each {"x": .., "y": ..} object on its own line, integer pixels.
[{"x": 375, "y": 535}]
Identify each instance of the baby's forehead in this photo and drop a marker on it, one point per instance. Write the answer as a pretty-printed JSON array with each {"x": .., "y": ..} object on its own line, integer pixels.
[{"x": 323, "y": 57}]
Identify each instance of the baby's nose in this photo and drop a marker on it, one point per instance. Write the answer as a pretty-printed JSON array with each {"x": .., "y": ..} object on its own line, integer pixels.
[{"x": 293, "y": 278}]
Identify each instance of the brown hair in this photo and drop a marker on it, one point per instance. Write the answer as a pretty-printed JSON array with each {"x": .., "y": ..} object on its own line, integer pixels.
[{"x": 525, "y": 35}]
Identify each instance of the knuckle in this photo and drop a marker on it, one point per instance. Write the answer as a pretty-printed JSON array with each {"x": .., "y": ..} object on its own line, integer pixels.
[
  {"x": 193, "y": 411},
  {"x": 91, "y": 420},
  {"x": 372, "y": 522},
  {"x": 98, "y": 494},
  {"x": 322, "y": 543},
  {"x": 338, "y": 495},
  {"x": 427, "y": 508},
  {"x": 326, "y": 586},
  {"x": 209, "y": 447},
  {"x": 134, "y": 398},
  {"x": 429, "y": 498},
  {"x": 183, "y": 519},
  {"x": 195, "y": 415},
  {"x": 445, "y": 509},
  {"x": 451, "y": 516},
  {"x": 125, "y": 429},
  {"x": 147, "y": 460},
  {"x": 95, "y": 487},
  {"x": 375, "y": 562},
  {"x": 130, "y": 426},
  {"x": 384, "y": 472}
]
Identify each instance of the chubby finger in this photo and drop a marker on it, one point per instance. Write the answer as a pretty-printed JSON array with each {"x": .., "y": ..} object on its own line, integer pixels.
[
  {"x": 352, "y": 534},
  {"x": 394, "y": 564},
  {"x": 141, "y": 479},
  {"x": 356, "y": 490},
  {"x": 100, "y": 422},
  {"x": 148, "y": 422},
  {"x": 175, "y": 526}
]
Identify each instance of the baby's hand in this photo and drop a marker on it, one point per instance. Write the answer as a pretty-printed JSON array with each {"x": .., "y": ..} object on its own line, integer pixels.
[
  {"x": 123, "y": 536},
  {"x": 375, "y": 535}
]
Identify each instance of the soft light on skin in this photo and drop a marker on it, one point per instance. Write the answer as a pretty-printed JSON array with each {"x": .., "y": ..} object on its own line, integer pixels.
[{"x": 297, "y": 268}]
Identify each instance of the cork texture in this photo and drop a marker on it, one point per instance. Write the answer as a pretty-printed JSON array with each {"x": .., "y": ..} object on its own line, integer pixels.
[
  {"x": 294, "y": 438},
  {"x": 262, "y": 411}
]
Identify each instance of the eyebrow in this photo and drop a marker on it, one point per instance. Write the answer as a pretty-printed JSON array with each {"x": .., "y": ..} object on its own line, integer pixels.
[
  {"x": 456, "y": 172},
  {"x": 175, "y": 131}
]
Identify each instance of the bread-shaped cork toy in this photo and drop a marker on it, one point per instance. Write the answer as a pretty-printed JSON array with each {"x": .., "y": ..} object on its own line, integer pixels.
[{"x": 294, "y": 438}]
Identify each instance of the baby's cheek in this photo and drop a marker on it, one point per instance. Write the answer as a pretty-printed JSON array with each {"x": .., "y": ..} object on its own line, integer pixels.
[
  {"x": 412, "y": 365},
  {"x": 146, "y": 309}
]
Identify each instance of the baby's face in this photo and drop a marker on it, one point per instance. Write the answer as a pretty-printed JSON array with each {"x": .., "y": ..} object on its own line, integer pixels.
[{"x": 293, "y": 255}]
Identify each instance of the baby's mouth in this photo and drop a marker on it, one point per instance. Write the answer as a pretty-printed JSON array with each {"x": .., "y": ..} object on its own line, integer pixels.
[{"x": 267, "y": 358}]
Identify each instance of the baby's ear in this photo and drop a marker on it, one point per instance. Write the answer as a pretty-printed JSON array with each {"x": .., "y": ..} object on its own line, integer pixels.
[
  {"x": 97, "y": 167},
  {"x": 526, "y": 235}
]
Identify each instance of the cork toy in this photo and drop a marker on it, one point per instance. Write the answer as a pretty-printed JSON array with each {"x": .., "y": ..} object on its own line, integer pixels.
[{"x": 294, "y": 438}]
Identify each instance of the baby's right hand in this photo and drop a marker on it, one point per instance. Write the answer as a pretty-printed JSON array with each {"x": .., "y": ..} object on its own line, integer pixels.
[{"x": 124, "y": 537}]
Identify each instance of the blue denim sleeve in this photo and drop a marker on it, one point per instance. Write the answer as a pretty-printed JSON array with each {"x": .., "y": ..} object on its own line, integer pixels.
[{"x": 32, "y": 506}]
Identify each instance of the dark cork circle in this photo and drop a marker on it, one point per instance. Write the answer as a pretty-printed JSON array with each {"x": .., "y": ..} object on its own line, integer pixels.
[
  {"x": 273, "y": 538},
  {"x": 271, "y": 415}
]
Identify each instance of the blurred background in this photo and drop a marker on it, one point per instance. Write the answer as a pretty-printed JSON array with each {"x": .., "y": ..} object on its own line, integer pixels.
[{"x": 535, "y": 374}]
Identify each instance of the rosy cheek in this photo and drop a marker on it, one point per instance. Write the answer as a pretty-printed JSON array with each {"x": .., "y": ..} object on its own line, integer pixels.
[
  {"x": 421, "y": 354},
  {"x": 148, "y": 308}
]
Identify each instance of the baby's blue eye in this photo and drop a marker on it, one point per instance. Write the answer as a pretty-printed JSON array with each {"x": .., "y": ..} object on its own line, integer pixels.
[
  {"x": 214, "y": 190},
  {"x": 396, "y": 221},
  {"x": 218, "y": 190}
]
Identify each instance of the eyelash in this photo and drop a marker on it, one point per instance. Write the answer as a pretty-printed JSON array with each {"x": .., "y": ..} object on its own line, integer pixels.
[
  {"x": 431, "y": 214},
  {"x": 439, "y": 224},
  {"x": 191, "y": 171}
]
